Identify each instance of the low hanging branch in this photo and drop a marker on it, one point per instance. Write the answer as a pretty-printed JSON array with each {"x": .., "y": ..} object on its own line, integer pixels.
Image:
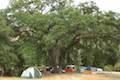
[
  {"x": 96, "y": 35},
  {"x": 78, "y": 37}
]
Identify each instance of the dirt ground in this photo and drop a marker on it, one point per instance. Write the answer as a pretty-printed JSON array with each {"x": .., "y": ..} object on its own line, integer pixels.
[
  {"x": 113, "y": 75},
  {"x": 66, "y": 77}
]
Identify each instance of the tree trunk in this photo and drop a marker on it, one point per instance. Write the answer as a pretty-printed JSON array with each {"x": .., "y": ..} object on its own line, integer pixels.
[
  {"x": 1, "y": 71},
  {"x": 54, "y": 57}
]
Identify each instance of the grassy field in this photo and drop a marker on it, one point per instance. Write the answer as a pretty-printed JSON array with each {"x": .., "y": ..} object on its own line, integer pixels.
[{"x": 65, "y": 77}]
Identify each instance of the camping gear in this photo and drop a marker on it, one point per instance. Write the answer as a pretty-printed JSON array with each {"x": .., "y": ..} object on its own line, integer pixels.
[
  {"x": 99, "y": 70},
  {"x": 31, "y": 72},
  {"x": 82, "y": 69},
  {"x": 88, "y": 70},
  {"x": 70, "y": 68}
]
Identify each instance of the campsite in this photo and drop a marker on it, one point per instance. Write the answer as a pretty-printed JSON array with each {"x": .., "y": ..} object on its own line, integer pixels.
[
  {"x": 59, "y": 39},
  {"x": 68, "y": 77},
  {"x": 32, "y": 73}
]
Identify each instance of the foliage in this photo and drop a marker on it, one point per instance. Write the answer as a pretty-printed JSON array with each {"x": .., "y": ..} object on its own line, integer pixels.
[
  {"x": 108, "y": 68},
  {"x": 117, "y": 67},
  {"x": 8, "y": 58},
  {"x": 55, "y": 32}
]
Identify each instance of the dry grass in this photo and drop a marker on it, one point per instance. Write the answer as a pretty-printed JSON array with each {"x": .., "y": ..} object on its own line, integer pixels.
[{"x": 65, "y": 77}]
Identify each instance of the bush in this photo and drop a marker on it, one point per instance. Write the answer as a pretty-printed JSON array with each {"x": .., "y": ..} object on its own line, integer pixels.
[
  {"x": 117, "y": 67},
  {"x": 108, "y": 68}
]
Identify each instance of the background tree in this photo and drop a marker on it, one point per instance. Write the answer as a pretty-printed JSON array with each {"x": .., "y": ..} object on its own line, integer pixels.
[
  {"x": 55, "y": 32},
  {"x": 8, "y": 59}
]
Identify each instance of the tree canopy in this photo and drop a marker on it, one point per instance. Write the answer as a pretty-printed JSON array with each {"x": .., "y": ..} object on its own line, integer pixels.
[{"x": 56, "y": 32}]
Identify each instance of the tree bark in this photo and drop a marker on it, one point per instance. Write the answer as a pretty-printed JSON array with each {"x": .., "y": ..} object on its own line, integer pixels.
[
  {"x": 1, "y": 71},
  {"x": 54, "y": 57}
]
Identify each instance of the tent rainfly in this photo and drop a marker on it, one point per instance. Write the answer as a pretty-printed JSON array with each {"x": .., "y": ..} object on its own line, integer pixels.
[{"x": 31, "y": 72}]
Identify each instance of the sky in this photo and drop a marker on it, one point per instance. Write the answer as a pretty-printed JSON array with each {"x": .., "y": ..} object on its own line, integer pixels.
[
  {"x": 4, "y": 4},
  {"x": 104, "y": 5}
]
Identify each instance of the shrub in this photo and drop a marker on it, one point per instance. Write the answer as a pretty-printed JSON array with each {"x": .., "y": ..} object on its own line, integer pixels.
[
  {"x": 108, "y": 68},
  {"x": 117, "y": 67}
]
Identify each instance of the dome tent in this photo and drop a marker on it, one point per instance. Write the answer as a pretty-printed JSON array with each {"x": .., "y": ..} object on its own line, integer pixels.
[{"x": 31, "y": 72}]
